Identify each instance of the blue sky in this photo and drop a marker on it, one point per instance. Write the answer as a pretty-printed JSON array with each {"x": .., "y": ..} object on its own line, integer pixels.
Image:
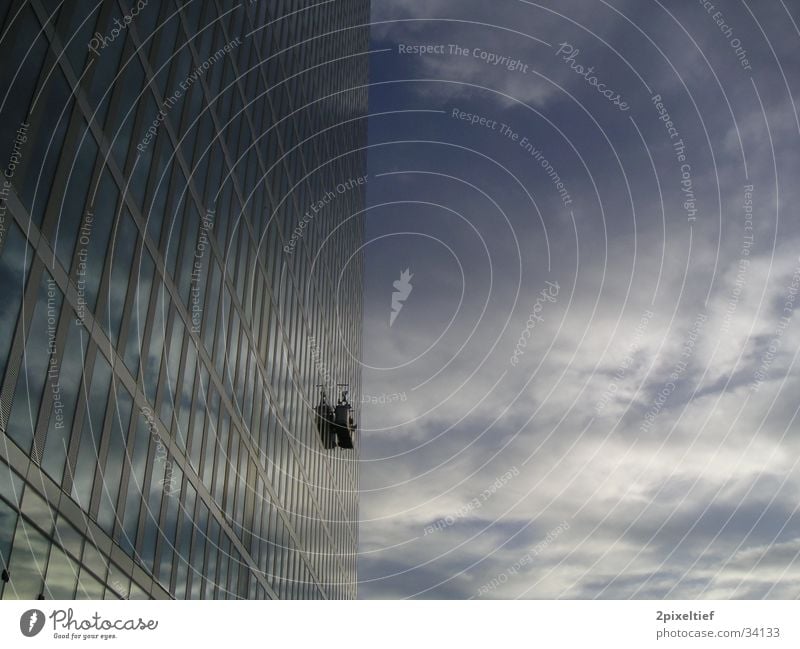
[{"x": 644, "y": 443}]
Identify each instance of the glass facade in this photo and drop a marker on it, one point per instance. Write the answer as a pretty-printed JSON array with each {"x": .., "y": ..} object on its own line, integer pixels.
[{"x": 180, "y": 230}]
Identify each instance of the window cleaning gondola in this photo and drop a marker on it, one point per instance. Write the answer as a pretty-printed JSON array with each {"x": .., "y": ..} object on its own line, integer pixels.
[{"x": 336, "y": 425}]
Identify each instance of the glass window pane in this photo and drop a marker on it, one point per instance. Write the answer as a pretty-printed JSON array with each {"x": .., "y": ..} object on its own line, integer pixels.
[
  {"x": 68, "y": 537},
  {"x": 65, "y": 402},
  {"x": 138, "y": 460},
  {"x": 54, "y": 106},
  {"x": 171, "y": 375},
  {"x": 15, "y": 264},
  {"x": 18, "y": 55},
  {"x": 27, "y": 563},
  {"x": 62, "y": 575},
  {"x": 152, "y": 363},
  {"x": 78, "y": 166},
  {"x": 37, "y": 510},
  {"x": 88, "y": 587},
  {"x": 40, "y": 341},
  {"x": 83, "y": 477},
  {"x": 153, "y": 509},
  {"x": 117, "y": 446},
  {"x": 138, "y": 318},
  {"x": 118, "y": 583},
  {"x": 122, "y": 251},
  {"x": 90, "y": 268},
  {"x": 8, "y": 521}
]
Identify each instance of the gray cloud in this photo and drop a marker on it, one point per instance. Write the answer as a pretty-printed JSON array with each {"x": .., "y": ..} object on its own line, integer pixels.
[{"x": 702, "y": 504}]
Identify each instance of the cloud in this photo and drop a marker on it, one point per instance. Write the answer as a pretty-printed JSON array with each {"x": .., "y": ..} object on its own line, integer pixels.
[{"x": 699, "y": 503}]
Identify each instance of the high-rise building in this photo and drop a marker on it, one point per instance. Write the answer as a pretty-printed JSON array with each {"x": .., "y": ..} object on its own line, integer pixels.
[{"x": 180, "y": 232}]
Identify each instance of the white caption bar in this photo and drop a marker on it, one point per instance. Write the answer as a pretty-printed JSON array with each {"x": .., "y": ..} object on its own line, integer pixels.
[{"x": 402, "y": 624}]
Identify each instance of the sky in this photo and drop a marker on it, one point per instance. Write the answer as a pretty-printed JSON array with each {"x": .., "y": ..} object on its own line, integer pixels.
[{"x": 585, "y": 384}]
